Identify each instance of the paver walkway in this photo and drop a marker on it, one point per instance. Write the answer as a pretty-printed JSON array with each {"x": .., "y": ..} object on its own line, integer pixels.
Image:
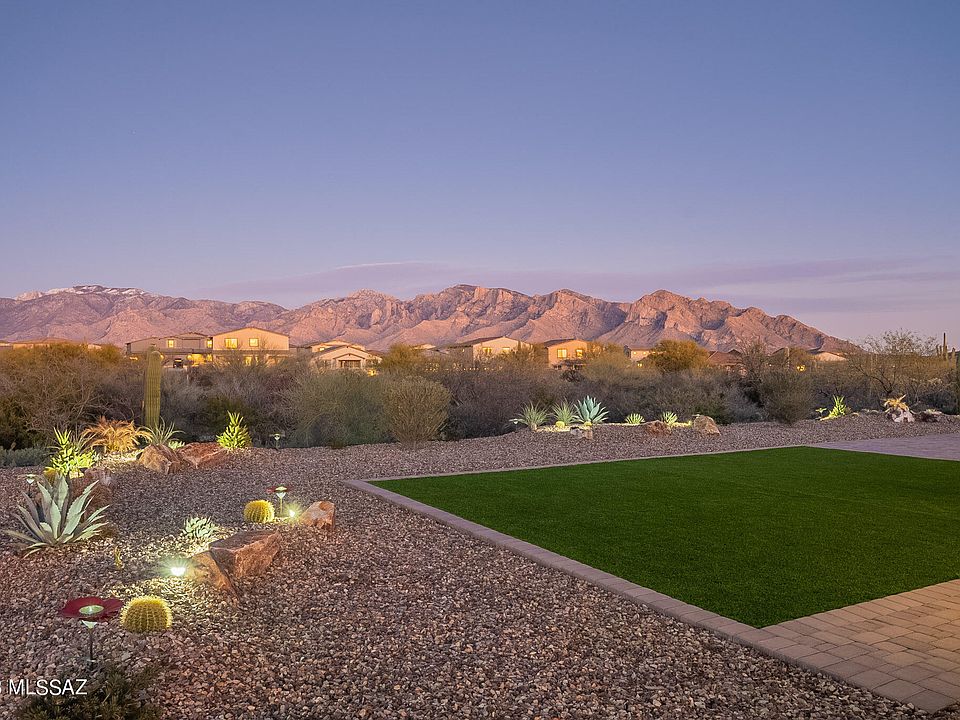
[{"x": 934, "y": 447}]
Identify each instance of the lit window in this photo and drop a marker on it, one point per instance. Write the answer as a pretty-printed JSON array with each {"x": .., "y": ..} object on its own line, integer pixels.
[
  {"x": 209, "y": 342},
  {"x": 487, "y": 351},
  {"x": 561, "y": 353},
  {"x": 254, "y": 342},
  {"x": 579, "y": 352},
  {"x": 171, "y": 343},
  {"x": 231, "y": 343}
]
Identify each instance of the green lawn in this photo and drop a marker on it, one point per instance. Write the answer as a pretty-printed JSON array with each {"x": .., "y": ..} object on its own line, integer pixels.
[{"x": 762, "y": 536}]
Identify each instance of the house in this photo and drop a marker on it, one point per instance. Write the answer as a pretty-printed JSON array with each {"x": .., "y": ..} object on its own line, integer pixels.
[
  {"x": 45, "y": 342},
  {"x": 566, "y": 352},
  {"x": 729, "y": 361},
  {"x": 250, "y": 340},
  {"x": 191, "y": 346},
  {"x": 826, "y": 356},
  {"x": 639, "y": 354},
  {"x": 342, "y": 355},
  {"x": 483, "y": 349},
  {"x": 194, "y": 348}
]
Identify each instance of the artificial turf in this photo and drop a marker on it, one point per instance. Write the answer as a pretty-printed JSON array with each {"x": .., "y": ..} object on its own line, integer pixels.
[{"x": 761, "y": 536}]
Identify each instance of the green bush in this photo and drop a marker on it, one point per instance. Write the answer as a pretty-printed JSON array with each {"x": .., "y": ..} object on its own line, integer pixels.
[
  {"x": 24, "y": 457},
  {"x": 415, "y": 408},
  {"x": 787, "y": 395}
]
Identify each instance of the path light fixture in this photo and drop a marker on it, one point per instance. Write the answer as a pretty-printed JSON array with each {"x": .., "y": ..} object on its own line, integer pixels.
[
  {"x": 276, "y": 440},
  {"x": 91, "y": 611},
  {"x": 280, "y": 491}
]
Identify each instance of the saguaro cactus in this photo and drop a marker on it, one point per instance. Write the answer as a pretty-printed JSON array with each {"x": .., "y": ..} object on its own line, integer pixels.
[{"x": 151, "y": 389}]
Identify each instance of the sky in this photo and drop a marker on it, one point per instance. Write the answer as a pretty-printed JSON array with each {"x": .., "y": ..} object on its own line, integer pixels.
[{"x": 803, "y": 157}]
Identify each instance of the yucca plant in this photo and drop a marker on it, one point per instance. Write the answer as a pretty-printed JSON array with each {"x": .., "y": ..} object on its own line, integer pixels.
[
  {"x": 53, "y": 518},
  {"x": 563, "y": 414},
  {"x": 839, "y": 409},
  {"x": 162, "y": 434},
  {"x": 589, "y": 412},
  {"x": 236, "y": 435},
  {"x": 115, "y": 437},
  {"x": 72, "y": 453},
  {"x": 670, "y": 418},
  {"x": 896, "y": 404},
  {"x": 634, "y": 419},
  {"x": 531, "y": 415}
]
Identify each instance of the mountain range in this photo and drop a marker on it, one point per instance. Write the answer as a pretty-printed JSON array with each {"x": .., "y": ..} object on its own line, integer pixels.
[{"x": 94, "y": 313}]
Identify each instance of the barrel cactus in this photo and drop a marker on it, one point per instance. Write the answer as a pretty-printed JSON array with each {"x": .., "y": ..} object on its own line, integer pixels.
[
  {"x": 147, "y": 613},
  {"x": 151, "y": 389},
  {"x": 259, "y": 511}
]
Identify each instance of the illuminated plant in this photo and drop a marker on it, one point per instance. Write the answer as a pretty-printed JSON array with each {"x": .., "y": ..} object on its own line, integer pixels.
[
  {"x": 634, "y": 419},
  {"x": 839, "y": 409},
  {"x": 896, "y": 404},
  {"x": 589, "y": 412},
  {"x": 670, "y": 418},
  {"x": 72, "y": 454},
  {"x": 51, "y": 518},
  {"x": 161, "y": 434},
  {"x": 151, "y": 389},
  {"x": 147, "y": 613},
  {"x": 198, "y": 529},
  {"x": 259, "y": 511},
  {"x": 563, "y": 414},
  {"x": 533, "y": 416},
  {"x": 115, "y": 437},
  {"x": 236, "y": 435}
]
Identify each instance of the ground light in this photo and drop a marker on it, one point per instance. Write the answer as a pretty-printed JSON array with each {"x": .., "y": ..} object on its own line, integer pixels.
[
  {"x": 91, "y": 611},
  {"x": 280, "y": 491}
]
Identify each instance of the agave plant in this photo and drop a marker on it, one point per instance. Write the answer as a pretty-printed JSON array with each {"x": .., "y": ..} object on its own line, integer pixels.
[
  {"x": 72, "y": 453},
  {"x": 839, "y": 409},
  {"x": 52, "y": 518},
  {"x": 634, "y": 419},
  {"x": 563, "y": 414},
  {"x": 162, "y": 434},
  {"x": 236, "y": 435},
  {"x": 198, "y": 529},
  {"x": 670, "y": 418},
  {"x": 115, "y": 437},
  {"x": 589, "y": 412},
  {"x": 531, "y": 415}
]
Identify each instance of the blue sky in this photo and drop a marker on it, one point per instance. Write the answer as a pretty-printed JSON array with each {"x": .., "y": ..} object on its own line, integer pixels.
[{"x": 803, "y": 157}]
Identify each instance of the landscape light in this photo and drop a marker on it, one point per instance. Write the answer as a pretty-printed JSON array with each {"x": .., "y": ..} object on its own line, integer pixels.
[
  {"x": 178, "y": 571},
  {"x": 90, "y": 611}
]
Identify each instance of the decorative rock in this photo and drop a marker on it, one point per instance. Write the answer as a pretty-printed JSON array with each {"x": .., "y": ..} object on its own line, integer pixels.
[
  {"x": 246, "y": 554},
  {"x": 205, "y": 569},
  {"x": 202, "y": 455},
  {"x": 319, "y": 515},
  {"x": 705, "y": 425},
  {"x": 582, "y": 433},
  {"x": 656, "y": 427},
  {"x": 930, "y": 415},
  {"x": 901, "y": 415},
  {"x": 160, "y": 458}
]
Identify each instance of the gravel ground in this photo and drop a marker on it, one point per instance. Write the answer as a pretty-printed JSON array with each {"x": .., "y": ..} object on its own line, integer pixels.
[{"x": 395, "y": 616}]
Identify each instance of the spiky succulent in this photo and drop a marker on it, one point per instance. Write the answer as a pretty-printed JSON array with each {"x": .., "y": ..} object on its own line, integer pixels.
[
  {"x": 115, "y": 437},
  {"x": 52, "y": 518},
  {"x": 236, "y": 435},
  {"x": 563, "y": 413},
  {"x": 72, "y": 453},
  {"x": 670, "y": 418},
  {"x": 532, "y": 415},
  {"x": 199, "y": 529},
  {"x": 147, "y": 613},
  {"x": 895, "y": 404},
  {"x": 259, "y": 511},
  {"x": 162, "y": 434},
  {"x": 839, "y": 409},
  {"x": 634, "y": 419},
  {"x": 589, "y": 411}
]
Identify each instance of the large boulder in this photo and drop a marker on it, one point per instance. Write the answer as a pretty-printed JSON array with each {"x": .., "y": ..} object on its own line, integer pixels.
[
  {"x": 900, "y": 415},
  {"x": 656, "y": 427},
  {"x": 205, "y": 569},
  {"x": 246, "y": 554},
  {"x": 202, "y": 455},
  {"x": 319, "y": 515},
  {"x": 930, "y": 415},
  {"x": 584, "y": 433},
  {"x": 161, "y": 459},
  {"x": 705, "y": 425},
  {"x": 102, "y": 493}
]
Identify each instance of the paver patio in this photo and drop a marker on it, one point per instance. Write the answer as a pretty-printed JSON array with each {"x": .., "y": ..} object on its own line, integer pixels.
[{"x": 905, "y": 647}]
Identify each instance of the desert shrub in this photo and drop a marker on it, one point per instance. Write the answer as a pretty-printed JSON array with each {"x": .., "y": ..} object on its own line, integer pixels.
[
  {"x": 183, "y": 401},
  {"x": 24, "y": 457},
  {"x": 115, "y": 436},
  {"x": 402, "y": 359},
  {"x": 415, "y": 408},
  {"x": 712, "y": 393},
  {"x": 532, "y": 416},
  {"x": 484, "y": 401},
  {"x": 113, "y": 695},
  {"x": 787, "y": 395},
  {"x": 678, "y": 355},
  {"x": 336, "y": 408},
  {"x": 164, "y": 434}
]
